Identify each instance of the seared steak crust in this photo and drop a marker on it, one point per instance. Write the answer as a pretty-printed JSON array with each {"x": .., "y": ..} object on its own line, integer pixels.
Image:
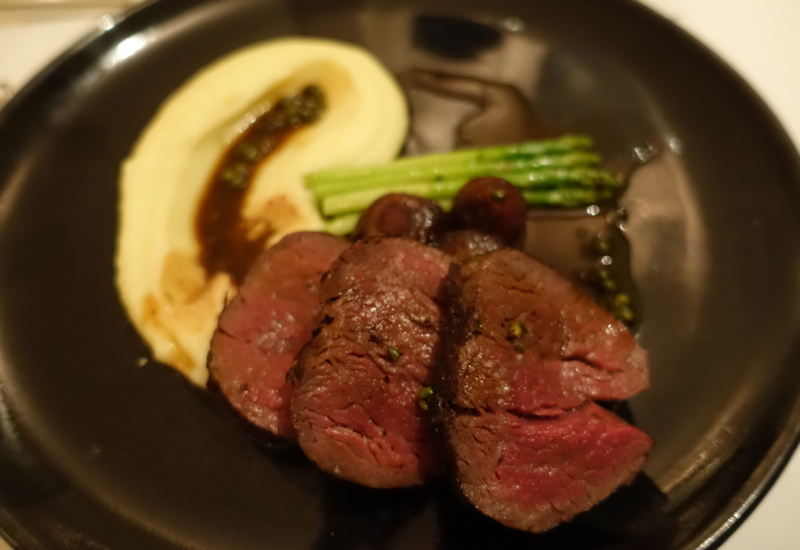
[
  {"x": 356, "y": 408},
  {"x": 568, "y": 348},
  {"x": 524, "y": 355}
]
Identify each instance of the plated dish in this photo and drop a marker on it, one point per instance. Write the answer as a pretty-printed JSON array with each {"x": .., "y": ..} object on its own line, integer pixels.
[{"x": 710, "y": 262}]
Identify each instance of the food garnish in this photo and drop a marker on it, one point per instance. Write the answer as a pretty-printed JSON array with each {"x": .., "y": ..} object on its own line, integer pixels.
[
  {"x": 426, "y": 396},
  {"x": 228, "y": 243}
]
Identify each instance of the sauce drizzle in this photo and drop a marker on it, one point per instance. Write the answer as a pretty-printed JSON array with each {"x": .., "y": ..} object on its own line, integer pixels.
[{"x": 226, "y": 245}]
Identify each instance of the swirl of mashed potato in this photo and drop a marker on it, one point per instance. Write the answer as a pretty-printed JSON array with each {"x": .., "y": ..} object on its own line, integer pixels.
[{"x": 169, "y": 297}]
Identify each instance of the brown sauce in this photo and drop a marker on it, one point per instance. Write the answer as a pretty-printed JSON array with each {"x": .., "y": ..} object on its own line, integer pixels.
[
  {"x": 588, "y": 247},
  {"x": 227, "y": 243}
]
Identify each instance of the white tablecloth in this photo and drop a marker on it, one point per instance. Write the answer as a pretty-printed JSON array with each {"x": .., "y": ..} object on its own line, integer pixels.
[{"x": 759, "y": 38}]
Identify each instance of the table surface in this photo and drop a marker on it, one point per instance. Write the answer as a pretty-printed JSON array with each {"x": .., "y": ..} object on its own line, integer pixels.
[{"x": 758, "y": 38}]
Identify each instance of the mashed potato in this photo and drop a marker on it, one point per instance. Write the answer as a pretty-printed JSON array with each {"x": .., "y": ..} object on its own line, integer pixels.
[{"x": 166, "y": 292}]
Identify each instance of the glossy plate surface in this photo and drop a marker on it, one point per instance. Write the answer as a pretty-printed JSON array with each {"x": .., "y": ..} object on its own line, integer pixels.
[{"x": 100, "y": 451}]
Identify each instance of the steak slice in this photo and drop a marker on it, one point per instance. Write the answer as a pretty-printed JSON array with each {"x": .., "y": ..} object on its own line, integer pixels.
[
  {"x": 356, "y": 408},
  {"x": 533, "y": 473},
  {"x": 261, "y": 331},
  {"x": 524, "y": 356},
  {"x": 524, "y": 338}
]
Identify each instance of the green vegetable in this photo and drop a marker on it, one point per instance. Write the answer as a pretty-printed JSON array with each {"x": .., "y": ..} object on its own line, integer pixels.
[
  {"x": 430, "y": 165},
  {"x": 622, "y": 309},
  {"x": 247, "y": 150},
  {"x": 425, "y": 397},
  {"x": 342, "y": 225},
  {"x": 622, "y": 299},
  {"x": 446, "y": 204},
  {"x": 516, "y": 329},
  {"x": 601, "y": 245},
  {"x": 360, "y": 200},
  {"x": 561, "y": 172},
  {"x": 625, "y": 314},
  {"x": 462, "y": 173},
  {"x": 541, "y": 176},
  {"x": 236, "y": 175},
  {"x": 606, "y": 281},
  {"x": 568, "y": 198},
  {"x": 394, "y": 353}
]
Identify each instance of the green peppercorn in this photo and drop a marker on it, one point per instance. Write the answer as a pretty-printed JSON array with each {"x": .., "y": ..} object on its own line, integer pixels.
[
  {"x": 603, "y": 274},
  {"x": 394, "y": 353},
  {"x": 604, "y": 280},
  {"x": 477, "y": 324},
  {"x": 235, "y": 175},
  {"x": 425, "y": 397},
  {"x": 622, "y": 299},
  {"x": 275, "y": 121},
  {"x": 624, "y": 314},
  {"x": 601, "y": 245},
  {"x": 609, "y": 285},
  {"x": 516, "y": 329},
  {"x": 313, "y": 94},
  {"x": 247, "y": 150}
]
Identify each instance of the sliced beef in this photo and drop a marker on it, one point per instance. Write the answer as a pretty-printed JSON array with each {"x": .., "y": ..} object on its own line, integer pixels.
[
  {"x": 263, "y": 328},
  {"x": 524, "y": 356},
  {"x": 357, "y": 405},
  {"x": 524, "y": 338},
  {"x": 533, "y": 473}
]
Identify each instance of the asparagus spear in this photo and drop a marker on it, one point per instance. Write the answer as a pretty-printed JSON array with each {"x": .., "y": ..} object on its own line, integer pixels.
[
  {"x": 342, "y": 225},
  {"x": 446, "y": 204},
  {"x": 453, "y": 160},
  {"x": 545, "y": 178},
  {"x": 464, "y": 172},
  {"x": 560, "y": 172},
  {"x": 568, "y": 198}
]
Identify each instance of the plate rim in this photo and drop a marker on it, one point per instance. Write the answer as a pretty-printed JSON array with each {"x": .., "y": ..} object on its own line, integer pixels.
[{"x": 760, "y": 480}]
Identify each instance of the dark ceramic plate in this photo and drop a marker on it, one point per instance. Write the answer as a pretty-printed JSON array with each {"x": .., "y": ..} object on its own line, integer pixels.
[{"x": 100, "y": 452}]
